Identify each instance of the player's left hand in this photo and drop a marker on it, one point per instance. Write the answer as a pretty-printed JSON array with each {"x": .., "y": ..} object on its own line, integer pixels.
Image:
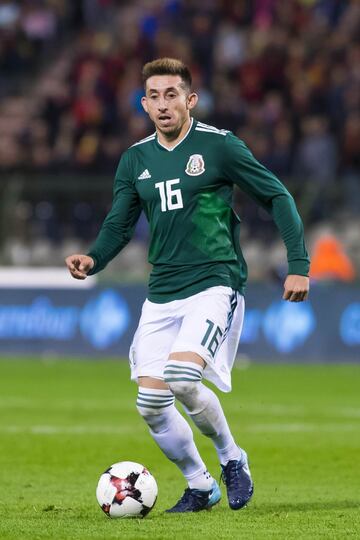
[{"x": 296, "y": 288}]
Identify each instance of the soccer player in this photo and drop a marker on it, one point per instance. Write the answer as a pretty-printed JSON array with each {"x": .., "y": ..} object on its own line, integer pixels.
[{"x": 182, "y": 176}]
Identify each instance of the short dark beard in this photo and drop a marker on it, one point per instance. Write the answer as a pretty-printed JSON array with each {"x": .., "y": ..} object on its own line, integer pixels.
[{"x": 171, "y": 135}]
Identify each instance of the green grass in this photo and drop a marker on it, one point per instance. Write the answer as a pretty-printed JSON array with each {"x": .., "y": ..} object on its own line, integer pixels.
[{"x": 62, "y": 423}]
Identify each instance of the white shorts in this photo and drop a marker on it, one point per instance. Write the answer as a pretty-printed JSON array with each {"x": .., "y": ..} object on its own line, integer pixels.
[{"x": 208, "y": 323}]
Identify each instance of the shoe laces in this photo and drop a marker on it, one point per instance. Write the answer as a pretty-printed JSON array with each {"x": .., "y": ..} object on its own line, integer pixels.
[{"x": 231, "y": 473}]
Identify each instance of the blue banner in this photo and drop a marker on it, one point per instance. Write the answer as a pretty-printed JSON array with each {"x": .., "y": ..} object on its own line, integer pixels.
[
  {"x": 101, "y": 322},
  {"x": 324, "y": 328}
]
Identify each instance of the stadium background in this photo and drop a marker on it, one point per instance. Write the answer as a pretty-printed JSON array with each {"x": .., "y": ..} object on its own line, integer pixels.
[{"x": 285, "y": 77}]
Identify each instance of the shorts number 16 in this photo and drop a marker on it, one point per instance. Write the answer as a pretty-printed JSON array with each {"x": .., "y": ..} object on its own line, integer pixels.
[{"x": 212, "y": 338}]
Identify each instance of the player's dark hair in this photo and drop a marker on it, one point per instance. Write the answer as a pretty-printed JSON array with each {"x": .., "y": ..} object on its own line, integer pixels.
[{"x": 167, "y": 66}]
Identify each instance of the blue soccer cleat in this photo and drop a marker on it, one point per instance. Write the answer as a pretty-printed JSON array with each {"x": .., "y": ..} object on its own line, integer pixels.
[
  {"x": 195, "y": 500},
  {"x": 237, "y": 479}
]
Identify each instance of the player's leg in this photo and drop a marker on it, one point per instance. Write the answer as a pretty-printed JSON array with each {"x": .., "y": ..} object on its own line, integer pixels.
[
  {"x": 172, "y": 433},
  {"x": 206, "y": 321},
  {"x": 184, "y": 371},
  {"x": 170, "y": 430},
  {"x": 155, "y": 403}
]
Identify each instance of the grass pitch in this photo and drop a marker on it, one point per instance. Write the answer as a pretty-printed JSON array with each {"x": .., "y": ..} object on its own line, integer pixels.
[{"x": 63, "y": 423}]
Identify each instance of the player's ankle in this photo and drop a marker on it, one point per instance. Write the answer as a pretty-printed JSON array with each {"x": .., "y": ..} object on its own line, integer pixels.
[
  {"x": 231, "y": 453},
  {"x": 202, "y": 481}
]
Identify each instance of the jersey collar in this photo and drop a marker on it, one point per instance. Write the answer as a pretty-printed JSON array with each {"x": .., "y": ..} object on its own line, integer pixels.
[{"x": 181, "y": 140}]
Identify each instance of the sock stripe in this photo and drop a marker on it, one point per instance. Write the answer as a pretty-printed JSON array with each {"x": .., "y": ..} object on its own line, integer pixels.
[
  {"x": 180, "y": 376},
  {"x": 153, "y": 400},
  {"x": 156, "y": 391},
  {"x": 156, "y": 396},
  {"x": 147, "y": 406},
  {"x": 182, "y": 372},
  {"x": 173, "y": 375},
  {"x": 163, "y": 401},
  {"x": 180, "y": 367},
  {"x": 181, "y": 379}
]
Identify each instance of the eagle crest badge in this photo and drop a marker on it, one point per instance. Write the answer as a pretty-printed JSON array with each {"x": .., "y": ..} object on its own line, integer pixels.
[{"x": 196, "y": 165}]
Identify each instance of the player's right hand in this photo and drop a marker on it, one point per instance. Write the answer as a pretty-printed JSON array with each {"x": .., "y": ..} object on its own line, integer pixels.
[{"x": 79, "y": 265}]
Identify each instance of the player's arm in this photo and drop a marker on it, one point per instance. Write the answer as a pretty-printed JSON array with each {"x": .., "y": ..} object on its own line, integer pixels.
[
  {"x": 266, "y": 189},
  {"x": 117, "y": 228}
]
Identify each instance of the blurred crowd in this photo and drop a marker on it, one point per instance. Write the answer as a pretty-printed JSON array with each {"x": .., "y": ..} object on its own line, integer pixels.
[{"x": 283, "y": 75}]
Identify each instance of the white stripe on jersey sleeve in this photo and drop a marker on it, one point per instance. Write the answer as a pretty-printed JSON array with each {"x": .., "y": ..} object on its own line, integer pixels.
[
  {"x": 217, "y": 132},
  {"x": 211, "y": 128},
  {"x": 201, "y": 124}
]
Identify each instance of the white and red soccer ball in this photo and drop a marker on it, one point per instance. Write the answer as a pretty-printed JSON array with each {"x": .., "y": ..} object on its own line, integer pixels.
[{"x": 126, "y": 489}]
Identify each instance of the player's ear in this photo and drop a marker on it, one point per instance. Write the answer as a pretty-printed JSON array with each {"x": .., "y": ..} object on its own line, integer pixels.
[
  {"x": 144, "y": 104},
  {"x": 192, "y": 100}
]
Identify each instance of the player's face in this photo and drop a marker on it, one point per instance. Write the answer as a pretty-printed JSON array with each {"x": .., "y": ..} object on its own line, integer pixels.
[{"x": 168, "y": 103}]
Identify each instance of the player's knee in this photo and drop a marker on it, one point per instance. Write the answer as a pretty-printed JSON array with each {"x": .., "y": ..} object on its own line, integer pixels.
[
  {"x": 183, "y": 379},
  {"x": 154, "y": 407},
  {"x": 183, "y": 390}
]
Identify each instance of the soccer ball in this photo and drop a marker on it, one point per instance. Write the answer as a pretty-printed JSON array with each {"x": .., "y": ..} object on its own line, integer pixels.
[{"x": 126, "y": 489}]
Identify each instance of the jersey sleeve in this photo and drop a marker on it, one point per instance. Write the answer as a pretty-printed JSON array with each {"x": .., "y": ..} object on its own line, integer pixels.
[
  {"x": 118, "y": 226},
  {"x": 242, "y": 169}
]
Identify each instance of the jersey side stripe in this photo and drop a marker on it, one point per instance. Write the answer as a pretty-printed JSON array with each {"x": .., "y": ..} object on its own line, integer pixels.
[
  {"x": 211, "y": 131},
  {"x": 233, "y": 305}
]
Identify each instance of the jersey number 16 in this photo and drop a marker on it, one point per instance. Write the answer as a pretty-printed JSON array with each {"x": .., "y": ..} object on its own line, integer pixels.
[{"x": 171, "y": 199}]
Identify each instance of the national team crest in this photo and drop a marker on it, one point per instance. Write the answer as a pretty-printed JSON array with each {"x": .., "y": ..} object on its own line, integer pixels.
[{"x": 195, "y": 166}]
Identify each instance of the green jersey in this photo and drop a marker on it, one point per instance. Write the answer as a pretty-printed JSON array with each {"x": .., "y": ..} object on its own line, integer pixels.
[{"x": 186, "y": 193}]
